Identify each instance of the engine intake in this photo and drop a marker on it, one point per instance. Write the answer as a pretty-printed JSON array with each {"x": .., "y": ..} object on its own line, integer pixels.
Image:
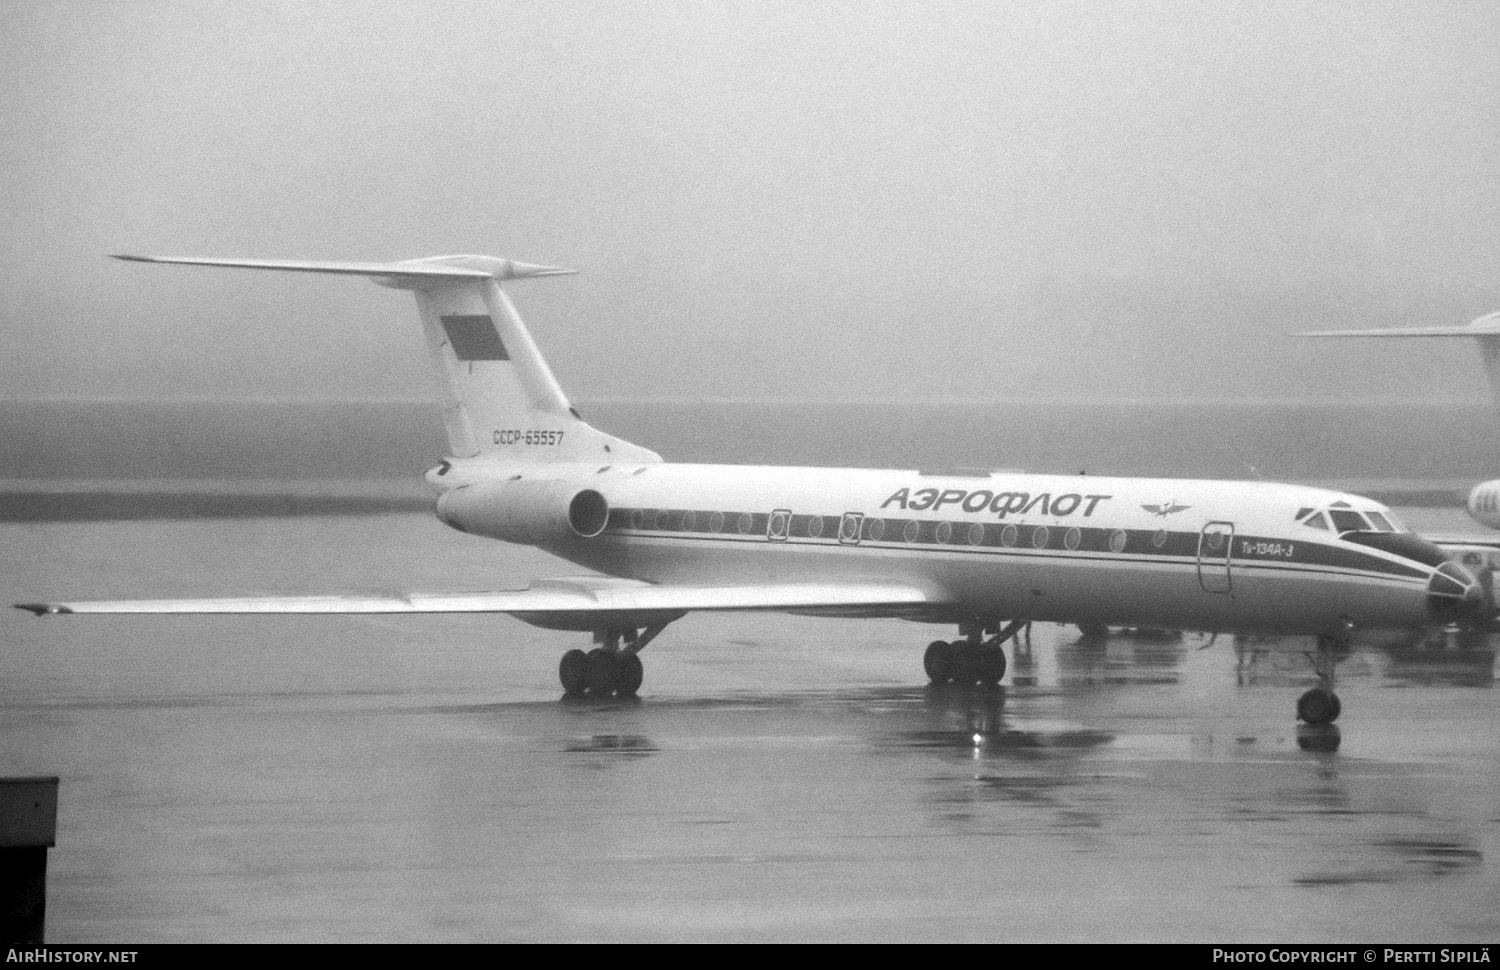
[{"x": 537, "y": 513}]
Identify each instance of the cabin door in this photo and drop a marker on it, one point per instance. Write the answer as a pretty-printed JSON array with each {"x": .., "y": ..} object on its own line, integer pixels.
[{"x": 1214, "y": 546}]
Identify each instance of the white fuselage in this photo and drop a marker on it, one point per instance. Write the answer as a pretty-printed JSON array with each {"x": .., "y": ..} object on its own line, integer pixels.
[{"x": 1187, "y": 554}]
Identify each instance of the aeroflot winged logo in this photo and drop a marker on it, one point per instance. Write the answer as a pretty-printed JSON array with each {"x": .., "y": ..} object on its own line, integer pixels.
[{"x": 1166, "y": 508}]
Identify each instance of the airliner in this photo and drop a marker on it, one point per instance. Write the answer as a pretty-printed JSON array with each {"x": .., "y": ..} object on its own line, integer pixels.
[{"x": 982, "y": 553}]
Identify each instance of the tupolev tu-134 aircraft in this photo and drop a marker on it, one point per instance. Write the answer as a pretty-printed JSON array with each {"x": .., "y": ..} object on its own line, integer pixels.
[{"x": 984, "y": 553}]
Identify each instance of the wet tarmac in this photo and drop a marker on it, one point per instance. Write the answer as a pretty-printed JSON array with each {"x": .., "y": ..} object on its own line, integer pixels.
[{"x": 779, "y": 778}]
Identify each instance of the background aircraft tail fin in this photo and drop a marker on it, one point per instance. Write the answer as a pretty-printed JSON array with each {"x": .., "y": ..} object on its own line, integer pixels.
[
  {"x": 498, "y": 394},
  {"x": 1485, "y": 332}
]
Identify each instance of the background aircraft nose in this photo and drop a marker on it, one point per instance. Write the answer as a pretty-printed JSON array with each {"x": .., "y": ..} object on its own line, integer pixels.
[{"x": 1453, "y": 594}]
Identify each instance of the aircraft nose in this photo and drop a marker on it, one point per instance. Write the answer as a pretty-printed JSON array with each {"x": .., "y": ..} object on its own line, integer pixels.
[{"x": 1452, "y": 593}]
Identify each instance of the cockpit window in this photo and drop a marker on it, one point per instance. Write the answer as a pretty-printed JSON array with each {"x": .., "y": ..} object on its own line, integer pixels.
[
  {"x": 1345, "y": 518},
  {"x": 1348, "y": 520}
]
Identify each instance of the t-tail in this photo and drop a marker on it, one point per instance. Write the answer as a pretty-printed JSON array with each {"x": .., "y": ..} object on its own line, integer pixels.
[
  {"x": 499, "y": 398},
  {"x": 1485, "y": 332},
  {"x": 1483, "y": 503}
]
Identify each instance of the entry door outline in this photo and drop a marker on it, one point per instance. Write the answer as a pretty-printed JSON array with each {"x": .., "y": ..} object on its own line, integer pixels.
[
  {"x": 779, "y": 525},
  {"x": 849, "y": 528},
  {"x": 1213, "y": 559}
]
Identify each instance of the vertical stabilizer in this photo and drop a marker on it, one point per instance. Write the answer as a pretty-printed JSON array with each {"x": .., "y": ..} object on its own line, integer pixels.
[
  {"x": 494, "y": 384},
  {"x": 1489, "y": 352}
]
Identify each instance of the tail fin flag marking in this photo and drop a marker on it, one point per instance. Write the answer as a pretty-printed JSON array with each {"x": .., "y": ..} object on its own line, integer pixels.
[{"x": 474, "y": 337}]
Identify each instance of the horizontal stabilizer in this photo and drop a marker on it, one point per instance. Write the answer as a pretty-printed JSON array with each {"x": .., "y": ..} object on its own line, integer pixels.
[
  {"x": 435, "y": 269},
  {"x": 584, "y": 595},
  {"x": 1485, "y": 326},
  {"x": 1404, "y": 332}
]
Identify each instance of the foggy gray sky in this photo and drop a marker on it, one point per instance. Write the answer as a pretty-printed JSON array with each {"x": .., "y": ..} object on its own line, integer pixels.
[{"x": 769, "y": 200}]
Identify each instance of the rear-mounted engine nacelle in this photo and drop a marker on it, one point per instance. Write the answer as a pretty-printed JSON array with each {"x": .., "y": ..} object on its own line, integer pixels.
[
  {"x": 1484, "y": 504},
  {"x": 537, "y": 513}
]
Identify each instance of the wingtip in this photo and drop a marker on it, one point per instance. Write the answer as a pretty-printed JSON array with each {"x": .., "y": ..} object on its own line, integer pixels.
[
  {"x": 522, "y": 271},
  {"x": 43, "y": 609},
  {"x": 132, "y": 258}
]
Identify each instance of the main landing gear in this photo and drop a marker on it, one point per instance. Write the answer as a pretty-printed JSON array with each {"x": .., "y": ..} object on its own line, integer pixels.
[
  {"x": 1321, "y": 705},
  {"x": 612, "y": 668},
  {"x": 972, "y": 660}
]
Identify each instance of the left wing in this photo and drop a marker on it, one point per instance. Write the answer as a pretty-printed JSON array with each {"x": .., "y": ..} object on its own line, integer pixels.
[{"x": 571, "y": 603}]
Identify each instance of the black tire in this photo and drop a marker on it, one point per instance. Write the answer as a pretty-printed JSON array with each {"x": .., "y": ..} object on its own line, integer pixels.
[
  {"x": 1093, "y": 631},
  {"x": 1319, "y": 706},
  {"x": 991, "y": 665},
  {"x": 601, "y": 672},
  {"x": 629, "y": 672},
  {"x": 1322, "y": 738},
  {"x": 938, "y": 662},
  {"x": 573, "y": 671},
  {"x": 965, "y": 662}
]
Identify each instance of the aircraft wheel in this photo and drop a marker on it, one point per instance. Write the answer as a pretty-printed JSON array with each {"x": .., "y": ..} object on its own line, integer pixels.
[
  {"x": 991, "y": 665},
  {"x": 965, "y": 662},
  {"x": 573, "y": 671},
  {"x": 1322, "y": 738},
  {"x": 629, "y": 672},
  {"x": 1319, "y": 706},
  {"x": 601, "y": 672},
  {"x": 938, "y": 662}
]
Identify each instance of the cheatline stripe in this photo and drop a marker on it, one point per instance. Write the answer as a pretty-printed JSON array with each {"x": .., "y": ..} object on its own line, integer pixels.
[
  {"x": 1147, "y": 545},
  {"x": 1042, "y": 555}
]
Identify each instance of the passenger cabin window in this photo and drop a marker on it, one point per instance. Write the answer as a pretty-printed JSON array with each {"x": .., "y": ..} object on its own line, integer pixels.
[{"x": 1319, "y": 521}]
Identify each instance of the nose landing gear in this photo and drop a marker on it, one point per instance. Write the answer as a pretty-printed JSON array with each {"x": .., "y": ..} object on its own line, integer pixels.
[{"x": 1321, "y": 705}]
